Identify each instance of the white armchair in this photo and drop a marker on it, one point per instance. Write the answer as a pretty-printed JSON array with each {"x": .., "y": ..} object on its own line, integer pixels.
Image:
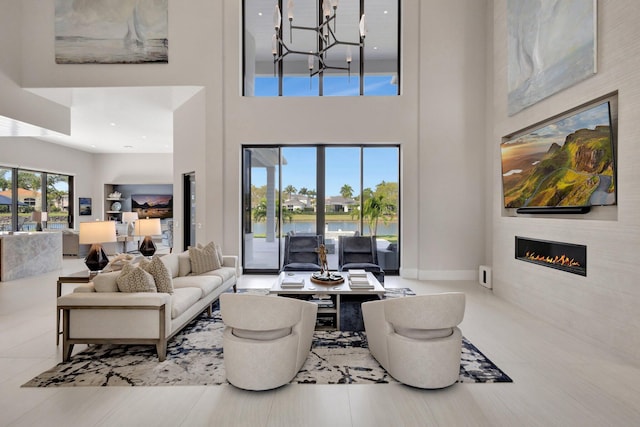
[
  {"x": 416, "y": 339},
  {"x": 266, "y": 340}
]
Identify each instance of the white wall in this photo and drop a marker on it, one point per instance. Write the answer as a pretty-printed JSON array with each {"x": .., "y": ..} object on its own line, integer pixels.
[
  {"x": 29, "y": 153},
  {"x": 436, "y": 120},
  {"x": 128, "y": 169},
  {"x": 604, "y": 305},
  {"x": 18, "y": 106}
]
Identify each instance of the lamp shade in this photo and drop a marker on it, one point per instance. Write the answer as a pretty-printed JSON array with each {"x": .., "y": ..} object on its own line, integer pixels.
[
  {"x": 129, "y": 216},
  {"x": 97, "y": 232},
  {"x": 148, "y": 227}
]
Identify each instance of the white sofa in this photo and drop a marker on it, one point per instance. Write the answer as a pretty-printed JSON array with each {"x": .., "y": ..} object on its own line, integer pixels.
[{"x": 107, "y": 316}]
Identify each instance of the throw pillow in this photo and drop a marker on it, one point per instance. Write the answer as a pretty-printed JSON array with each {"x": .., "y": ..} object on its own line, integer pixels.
[
  {"x": 203, "y": 259},
  {"x": 135, "y": 279},
  {"x": 106, "y": 282},
  {"x": 219, "y": 254},
  {"x": 160, "y": 273}
]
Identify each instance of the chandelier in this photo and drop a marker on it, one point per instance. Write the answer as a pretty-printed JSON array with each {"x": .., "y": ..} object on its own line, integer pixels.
[{"x": 325, "y": 35}]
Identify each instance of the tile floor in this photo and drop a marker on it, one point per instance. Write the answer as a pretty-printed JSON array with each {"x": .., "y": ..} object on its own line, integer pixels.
[{"x": 559, "y": 380}]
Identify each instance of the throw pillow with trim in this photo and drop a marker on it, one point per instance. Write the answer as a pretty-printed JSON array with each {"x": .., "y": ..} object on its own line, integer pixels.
[
  {"x": 203, "y": 259},
  {"x": 160, "y": 273},
  {"x": 135, "y": 279}
]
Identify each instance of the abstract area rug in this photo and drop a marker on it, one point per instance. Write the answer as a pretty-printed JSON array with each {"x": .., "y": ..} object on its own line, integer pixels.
[{"x": 194, "y": 357}]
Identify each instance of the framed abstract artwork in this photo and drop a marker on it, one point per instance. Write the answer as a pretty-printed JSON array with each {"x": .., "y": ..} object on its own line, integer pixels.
[
  {"x": 84, "y": 206},
  {"x": 551, "y": 45},
  {"x": 111, "y": 32}
]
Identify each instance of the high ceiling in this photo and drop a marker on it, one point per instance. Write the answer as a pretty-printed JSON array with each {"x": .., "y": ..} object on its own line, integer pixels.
[
  {"x": 140, "y": 119},
  {"x": 119, "y": 119}
]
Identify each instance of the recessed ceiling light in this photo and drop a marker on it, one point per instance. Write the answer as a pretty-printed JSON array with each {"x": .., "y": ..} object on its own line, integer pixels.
[
  {"x": 259, "y": 13},
  {"x": 375, "y": 48},
  {"x": 112, "y": 124},
  {"x": 144, "y": 137},
  {"x": 128, "y": 146},
  {"x": 93, "y": 145},
  {"x": 385, "y": 12}
]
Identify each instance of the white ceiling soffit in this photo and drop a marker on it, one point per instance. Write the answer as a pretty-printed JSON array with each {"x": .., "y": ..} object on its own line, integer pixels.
[{"x": 119, "y": 119}]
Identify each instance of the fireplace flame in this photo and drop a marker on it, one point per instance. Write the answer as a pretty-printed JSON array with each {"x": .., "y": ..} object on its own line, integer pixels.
[{"x": 559, "y": 260}]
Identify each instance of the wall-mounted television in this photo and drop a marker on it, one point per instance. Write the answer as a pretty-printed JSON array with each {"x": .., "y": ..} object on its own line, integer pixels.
[
  {"x": 569, "y": 162},
  {"x": 152, "y": 205}
]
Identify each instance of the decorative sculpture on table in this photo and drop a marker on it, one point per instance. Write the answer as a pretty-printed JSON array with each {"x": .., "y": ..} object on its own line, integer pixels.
[{"x": 322, "y": 253}]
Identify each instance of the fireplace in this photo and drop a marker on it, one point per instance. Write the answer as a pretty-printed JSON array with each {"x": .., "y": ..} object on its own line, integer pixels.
[{"x": 567, "y": 257}]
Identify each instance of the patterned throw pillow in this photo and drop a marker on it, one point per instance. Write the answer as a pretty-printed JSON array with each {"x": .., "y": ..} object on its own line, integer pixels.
[
  {"x": 160, "y": 273},
  {"x": 203, "y": 259},
  {"x": 135, "y": 279}
]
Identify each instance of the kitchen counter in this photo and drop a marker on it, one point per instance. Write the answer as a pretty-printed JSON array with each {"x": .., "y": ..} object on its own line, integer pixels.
[{"x": 29, "y": 253}]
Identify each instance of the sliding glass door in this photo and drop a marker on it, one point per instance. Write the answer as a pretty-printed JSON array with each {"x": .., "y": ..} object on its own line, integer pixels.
[{"x": 328, "y": 190}]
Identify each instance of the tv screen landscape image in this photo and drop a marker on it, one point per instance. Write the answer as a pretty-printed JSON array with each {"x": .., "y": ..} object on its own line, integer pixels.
[
  {"x": 569, "y": 162},
  {"x": 152, "y": 205}
]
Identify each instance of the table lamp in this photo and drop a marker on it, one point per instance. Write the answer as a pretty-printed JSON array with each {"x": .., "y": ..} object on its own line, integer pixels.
[
  {"x": 39, "y": 218},
  {"x": 148, "y": 227},
  {"x": 95, "y": 233},
  {"x": 129, "y": 218}
]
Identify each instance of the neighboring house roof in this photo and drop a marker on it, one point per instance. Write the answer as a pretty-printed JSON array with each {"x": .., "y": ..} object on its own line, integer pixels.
[
  {"x": 22, "y": 194},
  {"x": 339, "y": 200}
]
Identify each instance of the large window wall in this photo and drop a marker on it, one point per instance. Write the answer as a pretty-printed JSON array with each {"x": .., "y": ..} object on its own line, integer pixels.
[
  {"x": 282, "y": 61},
  {"x": 328, "y": 190},
  {"x": 23, "y": 192}
]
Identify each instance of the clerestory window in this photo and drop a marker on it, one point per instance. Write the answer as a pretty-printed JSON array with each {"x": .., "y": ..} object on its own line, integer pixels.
[{"x": 321, "y": 47}]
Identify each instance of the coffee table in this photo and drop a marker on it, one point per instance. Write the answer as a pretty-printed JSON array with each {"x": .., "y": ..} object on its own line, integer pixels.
[{"x": 321, "y": 293}]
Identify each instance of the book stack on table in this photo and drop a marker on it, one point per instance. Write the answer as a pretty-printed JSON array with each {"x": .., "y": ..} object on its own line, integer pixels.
[
  {"x": 358, "y": 279},
  {"x": 292, "y": 282},
  {"x": 323, "y": 303}
]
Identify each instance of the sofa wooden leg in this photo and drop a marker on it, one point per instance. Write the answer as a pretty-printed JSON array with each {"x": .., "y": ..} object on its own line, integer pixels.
[
  {"x": 161, "y": 349},
  {"x": 210, "y": 310},
  {"x": 235, "y": 289},
  {"x": 67, "y": 349}
]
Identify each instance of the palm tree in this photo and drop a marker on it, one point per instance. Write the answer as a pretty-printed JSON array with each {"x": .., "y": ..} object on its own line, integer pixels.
[
  {"x": 259, "y": 213},
  {"x": 290, "y": 189},
  {"x": 346, "y": 191},
  {"x": 373, "y": 209}
]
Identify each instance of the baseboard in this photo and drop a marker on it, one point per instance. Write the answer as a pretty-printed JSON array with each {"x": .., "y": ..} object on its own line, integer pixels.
[{"x": 448, "y": 275}]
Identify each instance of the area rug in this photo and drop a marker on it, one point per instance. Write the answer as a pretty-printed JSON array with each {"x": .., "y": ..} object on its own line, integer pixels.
[{"x": 194, "y": 357}]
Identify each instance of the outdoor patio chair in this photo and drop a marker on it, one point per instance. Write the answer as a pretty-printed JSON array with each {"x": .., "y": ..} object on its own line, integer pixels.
[
  {"x": 359, "y": 253},
  {"x": 301, "y": 253}
]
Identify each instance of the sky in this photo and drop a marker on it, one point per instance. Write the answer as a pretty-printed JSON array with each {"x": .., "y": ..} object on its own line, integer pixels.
[
  {"x": 342, "y": 85},
  {"x": 558, "y": 131},
  {"x": 342, "y": 167}
]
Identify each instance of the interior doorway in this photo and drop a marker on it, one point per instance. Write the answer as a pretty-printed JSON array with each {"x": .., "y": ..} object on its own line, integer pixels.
[{"x": 189, "y": 191}]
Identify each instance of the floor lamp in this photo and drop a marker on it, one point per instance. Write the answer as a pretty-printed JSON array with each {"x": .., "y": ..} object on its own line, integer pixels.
[
  {"x": 148, "y": 227},
  {"x": 95, "y": 233}
]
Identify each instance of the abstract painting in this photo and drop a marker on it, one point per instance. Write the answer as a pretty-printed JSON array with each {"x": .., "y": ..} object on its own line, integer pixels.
[
  {"x": 111, "y": 32},
  {"x": 551, "y": 46}
]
